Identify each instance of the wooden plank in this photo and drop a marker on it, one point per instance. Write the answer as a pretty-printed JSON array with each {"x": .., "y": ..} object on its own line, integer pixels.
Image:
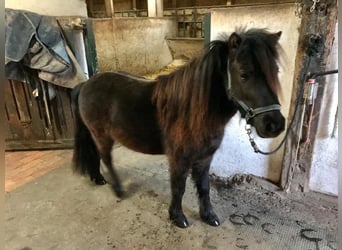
[
  {"x": 68, "y": 126},
  {"x": 13, "y": 115},
  {"x": 8, "y": 132},
  {"x": 20, "y": 98},
  {"x": 37, "y": 122},
  {"x": 55, "y": 106},
  {"x": 45, "y": 113},
  {"x": 39, "y": 145},
  {"x": 24, "y": 114},
  {"x": 62, "y": 114}
]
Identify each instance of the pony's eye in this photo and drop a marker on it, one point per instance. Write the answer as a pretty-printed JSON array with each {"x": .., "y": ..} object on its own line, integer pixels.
[{"x": 244, "y": 76}]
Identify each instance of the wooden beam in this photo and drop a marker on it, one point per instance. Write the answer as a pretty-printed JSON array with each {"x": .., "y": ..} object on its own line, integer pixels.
[
  {"x": 109, "y": 8},
  {"x": 298, "y": 156},
  {"x": 155, "y": 8},
  {"x": 152, "y": 8},
  {"x": 160, "y": 8}
]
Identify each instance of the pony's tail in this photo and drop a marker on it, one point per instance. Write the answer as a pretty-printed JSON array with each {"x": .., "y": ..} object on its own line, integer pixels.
[{"x": 85, "y": 157}]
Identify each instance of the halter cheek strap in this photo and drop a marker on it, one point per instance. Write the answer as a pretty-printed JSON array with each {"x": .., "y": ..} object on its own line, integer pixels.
[{"x": 250, "y": 112}]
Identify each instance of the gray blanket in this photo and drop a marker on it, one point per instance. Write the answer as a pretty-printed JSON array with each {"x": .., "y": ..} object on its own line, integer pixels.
[{"x": 35, "y": 42}]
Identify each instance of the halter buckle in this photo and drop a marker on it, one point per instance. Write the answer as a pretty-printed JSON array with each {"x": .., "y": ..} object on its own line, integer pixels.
[{"x": 250, "y": 113}]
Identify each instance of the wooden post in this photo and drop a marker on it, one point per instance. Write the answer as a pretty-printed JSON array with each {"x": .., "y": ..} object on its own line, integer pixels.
[
  {"x": 151, "y": 6},
  {"x": 297, "y": 160},
  {"x": 109, "y": 8},
  {"x": 155, "y": 8},
  {"x": 160, "y": 8}
]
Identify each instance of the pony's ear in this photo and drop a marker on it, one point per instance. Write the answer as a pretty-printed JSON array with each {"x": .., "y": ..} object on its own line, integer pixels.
[
  {"x": 234, "y": 41},
  {"x": 276, "y": 36}
]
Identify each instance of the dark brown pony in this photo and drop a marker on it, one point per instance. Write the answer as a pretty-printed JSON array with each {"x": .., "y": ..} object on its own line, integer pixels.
[{"x": 182, "y": 114}]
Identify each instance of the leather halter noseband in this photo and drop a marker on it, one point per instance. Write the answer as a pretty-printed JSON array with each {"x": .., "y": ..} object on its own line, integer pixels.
[{"x": 250, "y": 112}]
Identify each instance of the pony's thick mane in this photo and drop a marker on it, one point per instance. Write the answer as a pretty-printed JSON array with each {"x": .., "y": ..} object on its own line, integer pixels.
[{"x": 183, "y": 98}]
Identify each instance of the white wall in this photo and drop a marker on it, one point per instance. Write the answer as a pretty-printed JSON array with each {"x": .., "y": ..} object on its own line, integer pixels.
[
  {"x": 235, "y": 154},
  {"x": 50, "y": 8},
  {"x": 324, "y": 169}
]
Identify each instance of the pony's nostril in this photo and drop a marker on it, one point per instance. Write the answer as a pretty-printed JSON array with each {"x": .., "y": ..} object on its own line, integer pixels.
[{"x": 273, "y": 126}]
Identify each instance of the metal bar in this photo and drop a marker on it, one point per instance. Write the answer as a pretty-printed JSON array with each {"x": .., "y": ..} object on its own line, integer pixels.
[{"x": 322, "y": 73}]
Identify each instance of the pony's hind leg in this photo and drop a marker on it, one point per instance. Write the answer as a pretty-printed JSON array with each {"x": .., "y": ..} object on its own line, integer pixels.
[
  {"x": 200, "y": 175},
  {"x": 104, "y": 146},
  {"x": 95, "y": 174},
  {"x": 116, "y": 185},
  {"x": 93, "y": 160}
]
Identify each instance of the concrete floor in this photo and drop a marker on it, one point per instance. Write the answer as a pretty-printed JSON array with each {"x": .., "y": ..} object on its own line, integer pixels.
[{"x": 62, "y": 210}]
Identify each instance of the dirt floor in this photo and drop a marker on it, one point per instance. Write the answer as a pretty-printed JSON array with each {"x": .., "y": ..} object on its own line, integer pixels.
[{"x": 62, "y": 210}]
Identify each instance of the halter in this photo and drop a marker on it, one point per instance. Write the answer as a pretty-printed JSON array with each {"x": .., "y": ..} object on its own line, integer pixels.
[{"x": 250, "y": 112}]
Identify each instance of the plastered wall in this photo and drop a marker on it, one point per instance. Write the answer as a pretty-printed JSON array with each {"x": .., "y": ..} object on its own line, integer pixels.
[
  {"x": 136, "y": 45},
  {"x": 236, "y": 154},
  {"x": 51, "y": 8},
  {"x": 324, "y": 169}
]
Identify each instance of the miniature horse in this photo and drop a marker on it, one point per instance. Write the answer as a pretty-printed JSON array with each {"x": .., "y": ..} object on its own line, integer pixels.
[{"x": 182, "y": 114}]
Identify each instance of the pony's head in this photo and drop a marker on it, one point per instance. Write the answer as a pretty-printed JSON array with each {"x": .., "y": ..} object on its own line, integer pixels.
[{"x": 253, "y": 83}]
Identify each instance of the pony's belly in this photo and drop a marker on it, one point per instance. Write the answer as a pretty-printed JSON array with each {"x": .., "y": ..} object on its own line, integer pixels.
[{"x": 144, "y": 142}]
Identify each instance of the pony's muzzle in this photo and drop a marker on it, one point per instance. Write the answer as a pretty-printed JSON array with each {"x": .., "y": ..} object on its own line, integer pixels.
[{"x": 270, "y": 124}]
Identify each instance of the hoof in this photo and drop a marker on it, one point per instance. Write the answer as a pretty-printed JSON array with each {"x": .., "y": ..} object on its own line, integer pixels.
[
  {"x": 99, "y": 180},
  {"x": 179, "y": 220},
  {"x": 211, "y": 219}
]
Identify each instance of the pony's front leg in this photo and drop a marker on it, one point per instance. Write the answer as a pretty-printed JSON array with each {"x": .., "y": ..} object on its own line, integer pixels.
[
  {"x": 178, "y": 181},
  {"x": 200, "y": 175}
]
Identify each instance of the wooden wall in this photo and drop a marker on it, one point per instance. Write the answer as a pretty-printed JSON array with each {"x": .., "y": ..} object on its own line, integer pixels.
[
  {"x": 37, "y": 122},
  {"x": 96, "y": 8},
  {"x": 168, "y": 4}
]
